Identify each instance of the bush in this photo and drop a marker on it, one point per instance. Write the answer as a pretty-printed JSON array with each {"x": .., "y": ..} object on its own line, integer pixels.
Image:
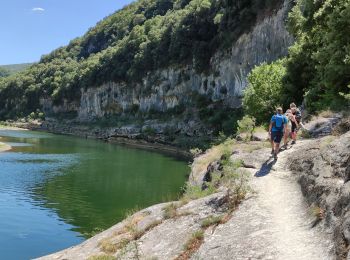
[
  {"x": 246, "y": 126},
  {"x": 36, "y": 115},
  {"x": 264, "y": 91}
]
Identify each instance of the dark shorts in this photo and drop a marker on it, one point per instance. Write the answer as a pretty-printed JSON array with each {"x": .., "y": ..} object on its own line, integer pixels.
[
  {"x": 294, "y": 127},
  {"x": 276, "y": 137}
]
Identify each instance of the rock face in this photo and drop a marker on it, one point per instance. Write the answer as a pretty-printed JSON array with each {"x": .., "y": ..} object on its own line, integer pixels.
[
  {"x": 172, "y": 87},
  {"x": 324, "y": 172},
  {"x": 158, "y": 237}
]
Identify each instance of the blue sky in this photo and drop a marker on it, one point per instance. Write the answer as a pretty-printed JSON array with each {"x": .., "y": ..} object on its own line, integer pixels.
[{"x": 31, "y": 28}]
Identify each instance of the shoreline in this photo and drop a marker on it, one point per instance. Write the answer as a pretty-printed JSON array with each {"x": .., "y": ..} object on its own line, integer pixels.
[
  {"x": 13, "y": 128},
  {"x": 142, "y": 144},
  {"x": 4, "y": 147},
  {"x": 153, "y": 147}
]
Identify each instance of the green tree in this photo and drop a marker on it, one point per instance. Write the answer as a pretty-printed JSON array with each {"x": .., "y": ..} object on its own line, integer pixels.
[
  {"x": 318, "y": 69},
  {"x": 264, "y": 90}
]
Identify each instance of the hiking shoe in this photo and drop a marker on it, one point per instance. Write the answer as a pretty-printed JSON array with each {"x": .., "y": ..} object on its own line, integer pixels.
[
  {"x": 275, "y": 156},
  {"x": 294, "y": 142}
]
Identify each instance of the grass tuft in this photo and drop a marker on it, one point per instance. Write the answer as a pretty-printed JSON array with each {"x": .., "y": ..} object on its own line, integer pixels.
[
  {"x": 196, "y": 238},
  {"x": 170, "y": 211},
  {"x": 201, "y": 163},
  {"x": 212, "y": 220},
  {"x": 192, "y": 245},
  {"x": 193, "y": 192},
  {"x": 318, "y": 212},
  {"x": 107, "y": 246}
]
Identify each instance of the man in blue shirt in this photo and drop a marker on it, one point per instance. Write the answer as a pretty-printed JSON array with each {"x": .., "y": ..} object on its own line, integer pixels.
[{"x": 276, "y": 130}]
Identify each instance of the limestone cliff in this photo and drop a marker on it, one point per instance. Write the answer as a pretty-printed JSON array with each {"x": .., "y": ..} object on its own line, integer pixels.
[{"x": 173, "y": 87}]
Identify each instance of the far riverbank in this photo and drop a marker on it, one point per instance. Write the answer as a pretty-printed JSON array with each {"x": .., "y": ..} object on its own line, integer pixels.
[
  {"x": 104, "y": 134},
  {"x": 5, "y": 147}
]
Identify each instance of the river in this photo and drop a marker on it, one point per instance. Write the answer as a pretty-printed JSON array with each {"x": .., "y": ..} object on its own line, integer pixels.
[{"x": 56, "y": 191}]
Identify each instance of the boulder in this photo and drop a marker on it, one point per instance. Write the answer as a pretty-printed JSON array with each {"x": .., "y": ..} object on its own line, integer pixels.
[{"x": 322, "y": 126}]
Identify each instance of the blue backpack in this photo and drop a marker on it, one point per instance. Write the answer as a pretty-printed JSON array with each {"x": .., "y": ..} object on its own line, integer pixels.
[{"x": 279, "y": 122}]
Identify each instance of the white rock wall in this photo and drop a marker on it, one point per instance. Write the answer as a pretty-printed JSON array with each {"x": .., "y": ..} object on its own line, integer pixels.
[{"x": 167, "y": 88}]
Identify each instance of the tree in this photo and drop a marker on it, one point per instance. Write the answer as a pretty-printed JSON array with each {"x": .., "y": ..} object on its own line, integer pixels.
[
  {"x": 264, "y": 91},
  {"x": 318, "y": 69}
]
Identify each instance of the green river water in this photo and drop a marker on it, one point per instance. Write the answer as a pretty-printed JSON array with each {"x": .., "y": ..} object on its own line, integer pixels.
[{"x": 55, "y": 190}]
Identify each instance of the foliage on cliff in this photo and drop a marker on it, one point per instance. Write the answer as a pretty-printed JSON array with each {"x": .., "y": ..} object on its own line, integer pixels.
[
  {"x": 317, "y": 69},
  {"x": 319, "y": 63},
  {"x": 145, "y": 35}
]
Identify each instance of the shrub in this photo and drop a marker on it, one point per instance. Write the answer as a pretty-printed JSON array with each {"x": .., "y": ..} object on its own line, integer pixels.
[
  {"x": 246, "y": 126},
  {"x": 264, "y": 90}
]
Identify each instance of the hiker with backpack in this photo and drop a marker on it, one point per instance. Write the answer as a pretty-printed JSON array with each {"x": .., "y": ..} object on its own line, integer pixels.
[
  {"x": 277, "y": 129},
  {"x": 290, "y": 117},
  {"x": 296, "y": 122}
]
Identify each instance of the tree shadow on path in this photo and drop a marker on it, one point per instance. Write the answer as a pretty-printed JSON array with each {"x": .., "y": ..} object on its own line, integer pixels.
[{"x": 265, "y": 168}]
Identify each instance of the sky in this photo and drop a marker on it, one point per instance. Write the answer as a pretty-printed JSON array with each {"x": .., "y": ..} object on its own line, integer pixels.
[{"x": 31, "y": 28}]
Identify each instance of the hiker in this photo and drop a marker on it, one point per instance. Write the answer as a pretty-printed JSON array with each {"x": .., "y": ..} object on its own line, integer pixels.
[
  {"x": 290, "y": 117},
  {"x": 296, "y": 122},
  {"x": 276, "y": 130}
]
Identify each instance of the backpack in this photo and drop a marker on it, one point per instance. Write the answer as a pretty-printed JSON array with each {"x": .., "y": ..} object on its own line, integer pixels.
[
  {"x": 298, "y": 115},
  {"x": 279, "y": 122}
]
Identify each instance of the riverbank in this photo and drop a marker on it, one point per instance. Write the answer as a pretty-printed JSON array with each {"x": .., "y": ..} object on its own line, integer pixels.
[
  {"x": 5, "y": 147},
  {"x": 127, "y": 136},
  {"x": 8, "y": 127}
]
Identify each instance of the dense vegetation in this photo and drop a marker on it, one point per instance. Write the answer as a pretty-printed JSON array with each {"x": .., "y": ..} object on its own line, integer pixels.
[
  {"x": 317, "y": 69},
  {"x": 13, "y": 68},
  {"x": 319, "y": 64},
  {"x": 146, "y": 35},
  {"x": 4, "y": 72}
]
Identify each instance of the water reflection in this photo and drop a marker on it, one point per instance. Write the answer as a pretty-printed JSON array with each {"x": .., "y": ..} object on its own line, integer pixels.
[{"x": 71, "y": 186}]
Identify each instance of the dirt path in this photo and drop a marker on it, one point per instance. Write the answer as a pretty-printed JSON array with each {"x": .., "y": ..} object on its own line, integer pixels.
[{"x": 274, "y": 224}]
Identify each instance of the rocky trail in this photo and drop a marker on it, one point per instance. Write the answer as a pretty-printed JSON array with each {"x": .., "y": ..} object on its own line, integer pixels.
[{"x": 274, "y": 223}]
